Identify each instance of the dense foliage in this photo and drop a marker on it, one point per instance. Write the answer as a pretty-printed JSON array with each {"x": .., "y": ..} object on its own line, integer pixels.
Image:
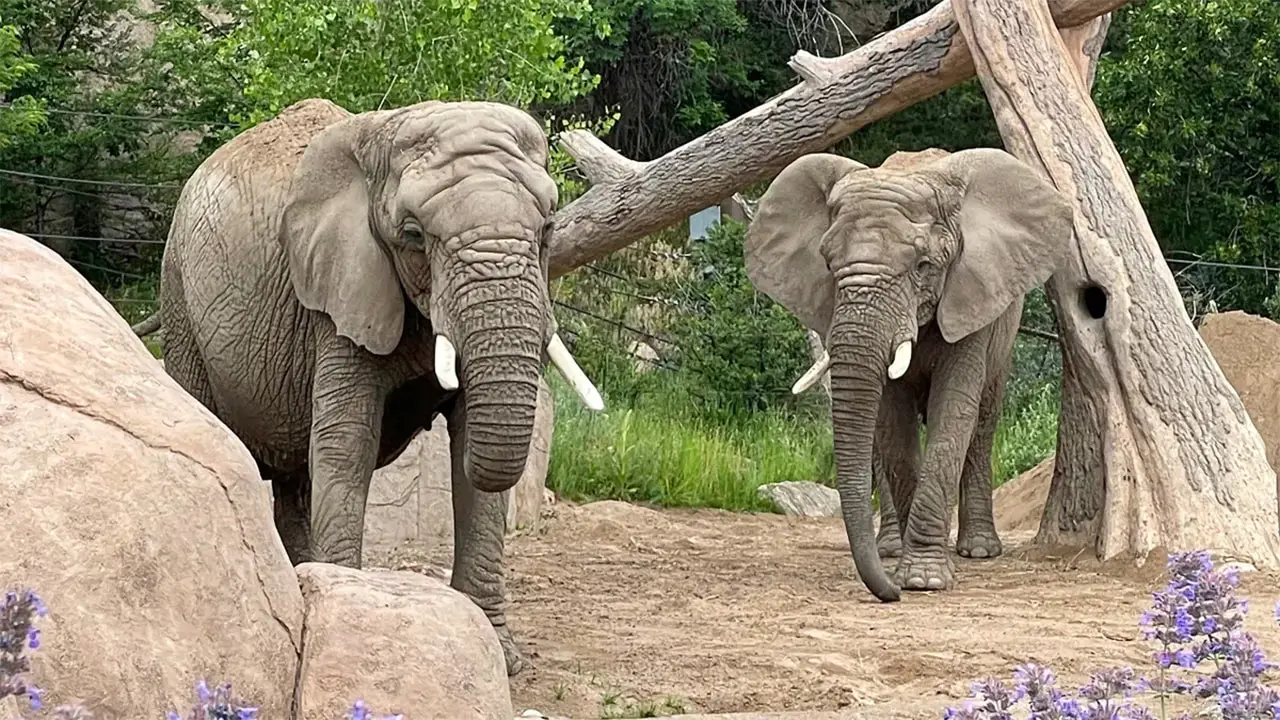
[
  {"x": 746, "y": 348},
  {"x": 1191, "y": 95},
  {"x": 23, "y": 116}
]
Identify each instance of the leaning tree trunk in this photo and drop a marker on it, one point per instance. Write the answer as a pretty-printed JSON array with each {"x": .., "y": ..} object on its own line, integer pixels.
[
  {"x": 1077, "y": 490},
  {"x": 630, "y": 199},
  {"x": 1182, "y": 465}
]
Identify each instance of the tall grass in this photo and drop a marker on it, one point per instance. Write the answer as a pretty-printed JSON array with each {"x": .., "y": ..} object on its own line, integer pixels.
[
  {"x": 651, "y": 450},
  {"x": 657, "y": 449}
]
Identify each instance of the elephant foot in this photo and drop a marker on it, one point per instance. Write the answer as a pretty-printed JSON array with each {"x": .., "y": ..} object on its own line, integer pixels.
[
  {"x": 511, "y": 653},
  {"x": 889, "y": 542},
  {"x": 928, "y": 570},
  {"x": 979, "y": 542}
]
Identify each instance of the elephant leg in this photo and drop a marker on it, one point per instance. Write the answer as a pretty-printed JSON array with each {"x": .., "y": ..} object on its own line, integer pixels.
[
  {"x": 479, "y": 535},
  {"x": 955, "y": 392},
  {"x": 896, "y": 464},
  {"x": 976, "y": 536},
  {"x": 292, "y": 515},
  {"x": 347, "y": 398},
  {"x": 889, "y": 538}
]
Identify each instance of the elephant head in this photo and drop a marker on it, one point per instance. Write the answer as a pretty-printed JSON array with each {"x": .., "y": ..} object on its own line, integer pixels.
[
  {"x": 865, "y": 257},
  {"x": 442, "y": 207}
]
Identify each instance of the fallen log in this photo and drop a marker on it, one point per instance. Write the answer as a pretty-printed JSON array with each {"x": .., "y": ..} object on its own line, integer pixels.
[
  {"x": 1180, "y": 463},
  {"x": 629, "y": 199}
]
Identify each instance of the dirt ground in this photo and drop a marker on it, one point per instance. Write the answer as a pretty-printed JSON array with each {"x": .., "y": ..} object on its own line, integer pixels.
[{"x": 626, "y": 611}]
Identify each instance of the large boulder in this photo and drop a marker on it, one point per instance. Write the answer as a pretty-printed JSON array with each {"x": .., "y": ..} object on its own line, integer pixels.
[
  {"x": 411, "y": 502},
  {"x": 134, "y": 513},
  {"x": 402, "y": 643}
]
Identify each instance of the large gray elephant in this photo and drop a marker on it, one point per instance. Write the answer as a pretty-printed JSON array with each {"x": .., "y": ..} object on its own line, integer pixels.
[
  {"x": 333, "y": 281},
  {"x": 914, "y": 275}
]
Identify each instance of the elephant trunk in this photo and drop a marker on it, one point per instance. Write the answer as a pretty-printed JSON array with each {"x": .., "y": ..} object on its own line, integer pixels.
[
  {"x": 500, "y": 333},
  {"x": 859, "y": 356}
]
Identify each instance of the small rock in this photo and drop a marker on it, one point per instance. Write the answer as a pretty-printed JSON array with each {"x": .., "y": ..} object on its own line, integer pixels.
[{"x": 808, "y": 499}]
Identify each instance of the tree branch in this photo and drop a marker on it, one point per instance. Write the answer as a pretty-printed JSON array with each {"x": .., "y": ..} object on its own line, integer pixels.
[
  {"x": 629, "y": 200},
  {"x": 600, "y": 163}
]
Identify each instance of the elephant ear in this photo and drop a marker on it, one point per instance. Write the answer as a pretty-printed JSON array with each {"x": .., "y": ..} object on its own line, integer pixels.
[
  {"x": 1015, "y": 228},
  {"x": 783, "y": 246},
  {"x": 337, "y": 265}
]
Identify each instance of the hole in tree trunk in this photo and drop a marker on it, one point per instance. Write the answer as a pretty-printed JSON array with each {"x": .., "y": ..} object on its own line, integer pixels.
[{"x": 1094, "y": 301}]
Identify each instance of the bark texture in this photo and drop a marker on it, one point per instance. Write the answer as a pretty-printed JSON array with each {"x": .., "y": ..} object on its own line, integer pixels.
[
  {"x": 1183, "y": 466},
  {"x": 839, "y": 95},
  {"x": 1077, "y": 491}
]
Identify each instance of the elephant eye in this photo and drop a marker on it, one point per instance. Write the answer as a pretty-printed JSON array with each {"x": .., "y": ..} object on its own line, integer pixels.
[
  {"x": 923, "y": 267},
  {"x": 412, "y": 235}
]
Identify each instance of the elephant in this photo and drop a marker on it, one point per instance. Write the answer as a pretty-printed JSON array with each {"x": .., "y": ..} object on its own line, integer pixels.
[
  {"x": 334, "y": 281},
  {"x": 914, "y": 275}
]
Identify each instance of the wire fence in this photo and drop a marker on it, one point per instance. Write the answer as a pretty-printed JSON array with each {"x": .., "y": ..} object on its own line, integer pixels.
[{"x": 610, "y": 281}]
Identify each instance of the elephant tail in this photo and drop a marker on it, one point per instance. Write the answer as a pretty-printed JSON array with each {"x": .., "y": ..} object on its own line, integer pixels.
[{"x": 147, "y": 326}]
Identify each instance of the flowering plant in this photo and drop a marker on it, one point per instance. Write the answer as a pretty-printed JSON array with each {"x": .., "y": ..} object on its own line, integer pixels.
[
  {"x": 1203, "y": 653},
  {"x": 18, "y": 634}
]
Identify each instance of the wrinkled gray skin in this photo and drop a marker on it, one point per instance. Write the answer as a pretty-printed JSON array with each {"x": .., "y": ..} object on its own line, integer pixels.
[
  {"x": 938, "y": 250},
  {"x": 311, "y": 261}
]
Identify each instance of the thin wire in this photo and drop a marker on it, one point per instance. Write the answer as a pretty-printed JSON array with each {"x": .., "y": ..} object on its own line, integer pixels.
[
  {"x": 91, "y": 266},
  {"x": 110, "y": 183},
  {"x": 1235, "y": 266},
  {"x": 147, "y": 118}
]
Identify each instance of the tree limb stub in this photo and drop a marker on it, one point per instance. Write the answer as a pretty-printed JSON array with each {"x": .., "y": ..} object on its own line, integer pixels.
[
  {"x": 838, "y": 96},
  {"x": 600, "y": 163},
  {"x": 1182, "y": 464}
]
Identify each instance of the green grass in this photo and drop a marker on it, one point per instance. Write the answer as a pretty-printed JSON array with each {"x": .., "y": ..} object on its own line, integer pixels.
[
  {"x": 654, "y": 451},
  {"x": 1026, "y": 436}
]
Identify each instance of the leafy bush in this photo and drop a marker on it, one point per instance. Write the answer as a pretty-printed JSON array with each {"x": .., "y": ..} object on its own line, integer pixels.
[
  {"x": 18, "y": 632},
  {"x": 1203, "y": 653},
  {"x": 745, "y": 349},
  {"x": 1190, "y": 91}
]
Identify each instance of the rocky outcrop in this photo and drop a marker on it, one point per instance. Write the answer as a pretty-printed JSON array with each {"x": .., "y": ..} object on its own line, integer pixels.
[
  {"x": 402, "y": 643},
  {"x": 410, "y": 500},
  {"x": 134, "y": 512}
]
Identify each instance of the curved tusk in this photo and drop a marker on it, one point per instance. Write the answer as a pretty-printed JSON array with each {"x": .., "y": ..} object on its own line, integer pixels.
[
  {"x": 568, "y": 367},
  {"x": 901, "y": 361},
  {"x": 811, "y": 375},
  {"x": 446, "y": 363}
]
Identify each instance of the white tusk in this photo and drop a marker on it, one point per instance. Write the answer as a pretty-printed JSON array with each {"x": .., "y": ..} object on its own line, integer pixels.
[
  {"x": 568, "y": 367},
  {"x": 446, "y": 359},
  {"x": 901, "y": 361},
  {"x": 811, "y": 375}
]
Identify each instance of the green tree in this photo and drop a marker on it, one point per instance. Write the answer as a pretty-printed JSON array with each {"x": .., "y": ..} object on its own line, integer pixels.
[
  {"x": 367, "y": 54},
  {"x": 674, "y": 69},
  {"x": 1191, "y": 95},
  {"x": 745, "y": 349},
  {"x": 23, "y": 116},
  {"x": 81, "y": 62}
]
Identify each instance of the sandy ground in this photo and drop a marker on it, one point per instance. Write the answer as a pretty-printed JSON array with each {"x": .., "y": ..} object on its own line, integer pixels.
[
  {"x": 622, "y": 609},
  {"x": 626, "y": 611}
]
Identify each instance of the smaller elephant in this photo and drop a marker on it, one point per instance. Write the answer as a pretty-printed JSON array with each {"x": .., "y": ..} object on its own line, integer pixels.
[{"x": 913, "y": 274}]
